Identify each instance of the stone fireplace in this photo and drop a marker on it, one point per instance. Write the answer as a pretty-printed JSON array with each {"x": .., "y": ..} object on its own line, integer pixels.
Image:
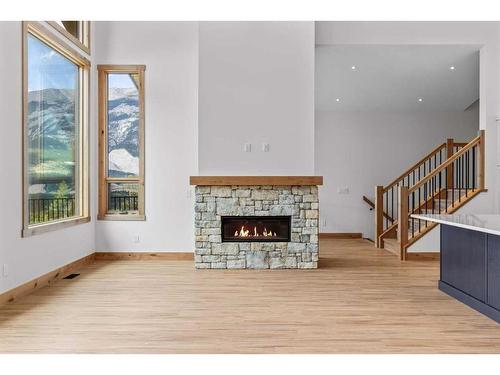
[{"x": 256, "y": 222}]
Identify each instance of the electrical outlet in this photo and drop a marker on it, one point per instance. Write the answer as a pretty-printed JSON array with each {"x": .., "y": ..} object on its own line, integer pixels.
[
  {"x": 5, "y": 270},
  {"x": 137, "y": 239},
  {"x": 265, "y": 147},
  {"x": 247, "y": 147}
]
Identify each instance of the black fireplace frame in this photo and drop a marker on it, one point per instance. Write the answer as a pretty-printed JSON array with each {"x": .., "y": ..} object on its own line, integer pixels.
[{"x": 256, "y": 217}]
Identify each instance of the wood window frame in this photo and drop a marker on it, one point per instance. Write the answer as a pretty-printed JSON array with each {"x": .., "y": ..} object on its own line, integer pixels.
[
  {"x": 40, "y": 32},
  {"x": 104, "y": 179},
  {"x": 83, "y": 42}
]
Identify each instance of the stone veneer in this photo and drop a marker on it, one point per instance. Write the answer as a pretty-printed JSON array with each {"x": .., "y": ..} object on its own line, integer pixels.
[{"x": 299, "y": 202}]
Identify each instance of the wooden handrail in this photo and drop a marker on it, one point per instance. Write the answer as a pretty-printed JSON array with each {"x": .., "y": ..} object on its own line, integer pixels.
[
  {"x": 415, "y": 166},
  {"x": 460, "y": 144},
  {"x": 372, "y": 205},
  {"x": 367, "y": 200},
  {"x": 449, "y": 161}
]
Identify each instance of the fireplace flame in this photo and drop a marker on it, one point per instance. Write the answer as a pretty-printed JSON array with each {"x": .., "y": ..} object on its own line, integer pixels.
[{"x": 246, "y": 233}]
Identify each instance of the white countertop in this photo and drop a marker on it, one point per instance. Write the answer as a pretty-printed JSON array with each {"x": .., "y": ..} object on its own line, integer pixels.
[{"x": 481, "y": 223}]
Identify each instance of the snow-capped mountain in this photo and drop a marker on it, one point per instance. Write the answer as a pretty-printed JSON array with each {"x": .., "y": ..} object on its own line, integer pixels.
[
  {"x": 51, "y": 132},
  {"x": 123, "y": 132},
  {"x": 122, "y": 162}
]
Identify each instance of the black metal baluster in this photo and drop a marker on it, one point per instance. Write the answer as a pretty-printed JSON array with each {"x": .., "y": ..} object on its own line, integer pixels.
[
  {"x": 446, "y": 188},
  {"x": 453, "y": 184},
  {"x": 392, "y": 202},
  {"x": 425, "y": 200},
  {"x": 439, "y": 194},
  {"x": 461, "y": 176},
  {"x": 466, "y": 173},
  {"x": 412, "y": 210},
  {"x": 433, "y": 193}
]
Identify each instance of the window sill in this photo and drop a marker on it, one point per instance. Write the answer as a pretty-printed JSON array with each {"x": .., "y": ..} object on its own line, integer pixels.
[
  {"x": 50, "y": 227},
  {"x": 122, "y": 217}
]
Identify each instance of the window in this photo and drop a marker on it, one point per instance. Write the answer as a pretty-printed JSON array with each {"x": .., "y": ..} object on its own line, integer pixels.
[
  {"x": 78, "y": 32},
  {"x": 55, "y": 108},
  {"x": 121, "y": 142}
]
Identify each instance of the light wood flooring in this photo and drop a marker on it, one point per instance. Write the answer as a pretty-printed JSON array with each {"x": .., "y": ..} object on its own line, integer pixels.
[{"x": 361, "y": 300}]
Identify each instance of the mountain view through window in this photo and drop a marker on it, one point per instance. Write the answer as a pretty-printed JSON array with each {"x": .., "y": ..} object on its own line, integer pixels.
[
  {"x": 52, "y": 134},
  {"x": 123, "y": 141}
]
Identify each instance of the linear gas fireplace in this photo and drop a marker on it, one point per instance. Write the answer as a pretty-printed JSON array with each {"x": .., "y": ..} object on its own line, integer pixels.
[{"x": 256, "y": 228}]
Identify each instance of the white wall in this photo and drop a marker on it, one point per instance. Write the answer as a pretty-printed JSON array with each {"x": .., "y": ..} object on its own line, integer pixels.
[
  {"x": 250, "y": 74},
  {"x": 170, "y": 52},
  {"x": 256, "y": 85},
  {"x": 359, "y": 150},
  {"x": 483, "y": 34},
  {"x": 26, "y": 258}
]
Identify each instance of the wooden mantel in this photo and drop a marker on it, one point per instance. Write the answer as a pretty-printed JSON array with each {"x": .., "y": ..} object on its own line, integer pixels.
[{"x": 256, "y": 180}]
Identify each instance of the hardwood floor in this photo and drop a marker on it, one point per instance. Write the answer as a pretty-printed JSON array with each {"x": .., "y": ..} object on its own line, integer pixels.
[{"x": 361, "y": 300}]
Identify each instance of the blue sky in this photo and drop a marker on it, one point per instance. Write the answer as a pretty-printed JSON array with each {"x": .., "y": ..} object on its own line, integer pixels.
[
  {"x": 121, "y": 80},
  {"x": 48, "y": 68}
]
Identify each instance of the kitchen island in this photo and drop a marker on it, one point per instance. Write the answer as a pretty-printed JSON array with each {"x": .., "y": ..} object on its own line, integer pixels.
[{"x": 470, "y": 260}]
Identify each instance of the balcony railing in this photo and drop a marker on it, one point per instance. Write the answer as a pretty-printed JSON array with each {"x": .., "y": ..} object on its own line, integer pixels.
[
  {"x": 123, "y": 203},
  {"x": 42, "y": 210}
]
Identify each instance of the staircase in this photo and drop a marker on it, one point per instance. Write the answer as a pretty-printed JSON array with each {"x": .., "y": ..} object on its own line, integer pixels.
[{"x": 440, "y": 183}]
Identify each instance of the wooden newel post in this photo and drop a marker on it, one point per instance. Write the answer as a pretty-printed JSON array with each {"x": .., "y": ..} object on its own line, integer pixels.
[
  {"x": 403, "y": 217},
  {"x": 449, "y": 170},
  {"x": 379, "y": 214},
  {"x": 482, "y": 158}
]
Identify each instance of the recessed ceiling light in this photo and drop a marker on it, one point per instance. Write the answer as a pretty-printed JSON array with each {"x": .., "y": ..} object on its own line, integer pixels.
[
  {"x": 452, "y": 67},
  {"x": 353, "y": 67},
  {"x": 337, "y": 100},
  {"x": 420, "y": 100}
]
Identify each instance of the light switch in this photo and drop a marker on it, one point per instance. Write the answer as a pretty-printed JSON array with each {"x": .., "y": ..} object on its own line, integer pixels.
[
  {"x": 343, "y": 190},
  {"x": 248, "y": 147},
  {"x": 265, "y": 147}
]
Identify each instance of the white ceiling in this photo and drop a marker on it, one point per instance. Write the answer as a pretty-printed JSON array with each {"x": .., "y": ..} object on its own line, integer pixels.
[{"x": 393, "y": 78}]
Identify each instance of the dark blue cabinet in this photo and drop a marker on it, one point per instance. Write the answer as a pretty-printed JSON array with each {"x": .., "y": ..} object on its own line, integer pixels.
[
  {"x": 494, "y": 271},
  {"x": 470, "y": 268},
  {"x": 463, "y": 254}
]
